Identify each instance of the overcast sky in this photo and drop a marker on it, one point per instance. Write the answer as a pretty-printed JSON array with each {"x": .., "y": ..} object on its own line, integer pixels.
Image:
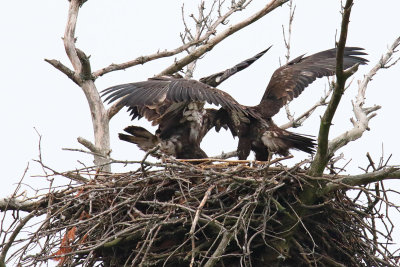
[{"x": 37, "y": 96}]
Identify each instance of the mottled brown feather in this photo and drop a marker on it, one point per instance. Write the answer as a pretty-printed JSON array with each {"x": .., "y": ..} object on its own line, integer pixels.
[{"x": 289, "y": 81}]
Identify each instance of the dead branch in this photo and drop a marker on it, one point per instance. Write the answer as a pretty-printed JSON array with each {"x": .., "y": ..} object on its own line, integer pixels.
[
  {"x": 289, "y": 36},
  {"x": 202, "y": 39},
  {"x": 296, "y": 122},
  {"x": 363, "y": 114},
  {"x": 16, "y": 204},
  {"x": 82, "y": 76},
  {"x": 201, "y": 50},
  {"x": 226, "y": 238},
  {"x": 64, "y": 69},
  {"x": 14, "y": 235},
  {"x": 362, "y": 179}
]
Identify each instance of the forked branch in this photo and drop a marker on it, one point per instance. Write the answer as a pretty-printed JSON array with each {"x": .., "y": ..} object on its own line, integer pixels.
[
  {"x": 363, "y": 114},
  {"x": 201, "y": 50},
  {"x": 201, "y": 40}
]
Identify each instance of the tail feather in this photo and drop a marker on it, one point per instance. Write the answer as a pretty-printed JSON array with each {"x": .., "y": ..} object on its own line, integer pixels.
[
  {"x": 302, "y": 142},
  {"x": 139, "y": 136}
]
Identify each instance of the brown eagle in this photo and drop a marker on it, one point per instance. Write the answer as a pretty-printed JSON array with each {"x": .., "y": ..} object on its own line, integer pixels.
[{"x": 176, "y": 105}]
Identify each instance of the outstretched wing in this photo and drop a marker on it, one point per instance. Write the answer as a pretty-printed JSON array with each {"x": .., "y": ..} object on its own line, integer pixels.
[
  {"x": 217, "y": 78},
  {"x": 289, "y": 81},
  {"x": 154, "y": 97}
]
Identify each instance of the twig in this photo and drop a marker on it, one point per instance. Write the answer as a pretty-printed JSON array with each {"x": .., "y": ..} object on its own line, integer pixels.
[
  {"x": 226, "y": 238},
  {"x": 201, "y": 50},
  {"x": 14, "y": 235},
  {"x": 296, "y": 122},
  {"x": 196, "y": 219}
]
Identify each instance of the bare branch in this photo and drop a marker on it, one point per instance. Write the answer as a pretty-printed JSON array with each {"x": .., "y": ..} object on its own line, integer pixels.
[
  {"x": 114, "y": 109},
  {"x": 16, "y": 204},
  {"x": 81, "y": 65},
  {"x": 362, "y": 179},
  {"x": 289, "y": 36},
  {"x": 287, "y": 41},
  {"x": 226, "y": 238},
  {"x": 322, "y": 156},
  {"x": 296, "y": 122},
  {"x": 226, "y": 155},
  {"x": 363, "y": 115},
  {"x": 141, "y": 60},
  {"x": 89, "y": 145},
  {"x": 201, "y": 50},
  {"x": 200, "y": 22},
  {"x": 69, "y": 174},
  {"x": 64, "y": 69},
  {"x": 196, "y": 219},
  {"x": 86, "y": 73},
  {"x": 166, "y": 53},
  {"x": 69, "y": 35},
  {"x": 14, "y": 235}
]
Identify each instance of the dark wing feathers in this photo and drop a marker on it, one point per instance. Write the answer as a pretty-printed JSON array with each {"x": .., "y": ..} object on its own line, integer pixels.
[
  {"x": 153, "y": 97},
  {"x": 289, "y": 81},
  {"x": 217, "y": 78}
]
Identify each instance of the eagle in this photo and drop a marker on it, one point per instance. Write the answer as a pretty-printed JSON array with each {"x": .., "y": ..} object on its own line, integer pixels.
[{"x": 176, "y": 105}]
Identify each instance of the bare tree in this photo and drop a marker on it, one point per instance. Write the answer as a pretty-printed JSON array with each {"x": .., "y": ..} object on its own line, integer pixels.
[{"x": 218, "y": 212}]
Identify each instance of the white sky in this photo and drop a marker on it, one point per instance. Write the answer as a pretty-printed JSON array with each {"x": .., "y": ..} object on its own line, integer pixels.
[{"x": 35, "y": 95}]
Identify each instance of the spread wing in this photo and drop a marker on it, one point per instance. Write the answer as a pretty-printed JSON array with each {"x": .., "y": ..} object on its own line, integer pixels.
[
  {"x": 217, "y": 78},
  {"x": 289, "y": 81},
  {"x": 157, "y": 96}
]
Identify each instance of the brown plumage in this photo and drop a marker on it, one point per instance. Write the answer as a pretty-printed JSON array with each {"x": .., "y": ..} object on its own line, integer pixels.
[
  {"x": 176, "y": 105},
  {"x": 287, "y": 83}
]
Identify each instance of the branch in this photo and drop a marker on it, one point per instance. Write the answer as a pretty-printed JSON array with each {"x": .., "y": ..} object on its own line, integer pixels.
[
  {"x": 226, "y": 238},
  {"x": 362, "y": 179},
  {"x": 140, "y": 60},
  {"x": 16, "y": 204},
  {"x": 14, "y": 234},
  {"x": 226, "y": 155},
  {"x": 287, "y": 39},
  {"x": 64, "y": 69},
  {"x": 114, "y": 109},
  {"x": 322, "y": 156},
  {"x": 86, "y": 73},
  {"x": 296, "y": 122},
  {"x": 81, "y": 65},
  {"x": 89, "y": 145},
  {"x": 68, "y": 174},
  {"x": 196, "y": 219},
  {"x": 363, "y": 115},
  {"x": 69, "y": 35},
  {"x": 167, "y": 53},
  {"x": 201, "y": 22},
  {"x": 201, "y": 50}
]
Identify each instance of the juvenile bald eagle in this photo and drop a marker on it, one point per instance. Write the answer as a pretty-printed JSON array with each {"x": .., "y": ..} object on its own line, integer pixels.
[{"x": 176, "y": 105}]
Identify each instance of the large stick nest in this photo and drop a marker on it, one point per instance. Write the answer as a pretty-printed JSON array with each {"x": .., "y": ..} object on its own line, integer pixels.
[{"x": 179, "y": 214}]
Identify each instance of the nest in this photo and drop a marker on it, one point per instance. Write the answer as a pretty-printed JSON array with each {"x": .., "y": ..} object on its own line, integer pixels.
[{"x": 230, "y": 214}]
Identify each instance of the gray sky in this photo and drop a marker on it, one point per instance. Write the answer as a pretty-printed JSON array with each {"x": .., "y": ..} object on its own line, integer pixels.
[{"x": 35, "y": 95}]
